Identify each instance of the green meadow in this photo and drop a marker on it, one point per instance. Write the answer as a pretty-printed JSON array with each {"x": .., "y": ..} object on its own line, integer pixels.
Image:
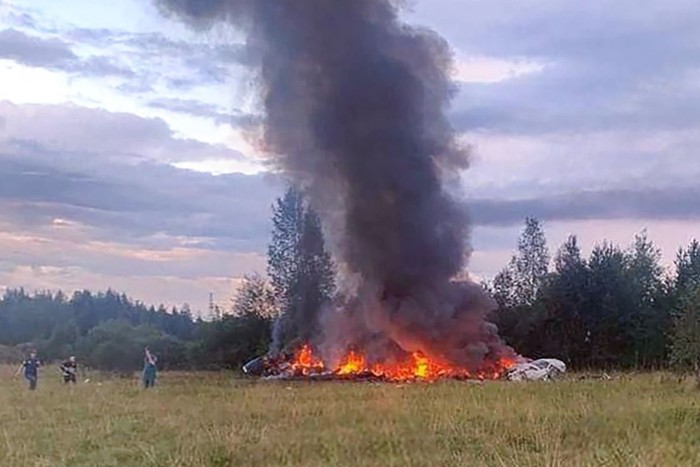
[{"x": 216, "y": 419}]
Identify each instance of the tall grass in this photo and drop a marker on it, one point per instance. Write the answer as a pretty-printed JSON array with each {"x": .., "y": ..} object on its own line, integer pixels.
[{"x": 217, "y": 420}]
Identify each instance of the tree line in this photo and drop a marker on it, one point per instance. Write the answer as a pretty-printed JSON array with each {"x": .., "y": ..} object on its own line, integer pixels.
[
  {"x": 106, "y": 329},
  {"x": 616, "y": 308}
]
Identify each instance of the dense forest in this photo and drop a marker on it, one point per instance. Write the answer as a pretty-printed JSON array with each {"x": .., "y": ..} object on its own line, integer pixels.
[{"x": 617, "y": 308}]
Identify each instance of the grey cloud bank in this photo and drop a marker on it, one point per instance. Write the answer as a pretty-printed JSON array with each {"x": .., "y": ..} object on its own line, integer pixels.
[
  {"x": 112, "y": 171},
  {"x": 608, "y": 64},
  {"x": 33, "y": 50},
  {"x": 123, "y": 137},
  {"x": 234, "y": 117},
  {"x": 644, "y": 204},
  {"x": 55, "y": 54}
]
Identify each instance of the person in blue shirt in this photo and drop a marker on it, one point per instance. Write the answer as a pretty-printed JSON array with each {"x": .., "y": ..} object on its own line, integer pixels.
[
  {"x": 149, "y": 369},
  {"x": 31, "y": 370}
]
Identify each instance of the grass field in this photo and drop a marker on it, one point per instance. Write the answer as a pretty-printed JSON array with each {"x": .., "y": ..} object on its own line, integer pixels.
[{"x": 216, "y": 420}]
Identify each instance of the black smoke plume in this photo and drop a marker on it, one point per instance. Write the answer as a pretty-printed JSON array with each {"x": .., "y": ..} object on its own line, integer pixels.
[{"x": 355, "y": 111}]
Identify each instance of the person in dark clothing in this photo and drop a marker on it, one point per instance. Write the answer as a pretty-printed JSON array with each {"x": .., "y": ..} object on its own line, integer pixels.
[
  {"x": 149, "y": 369},
  {"x": 31, "y": 370},
  {"x": 69, "y": 370}
]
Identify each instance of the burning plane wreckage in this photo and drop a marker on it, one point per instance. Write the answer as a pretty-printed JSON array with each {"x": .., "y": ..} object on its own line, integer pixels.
[
  {"x": 304, "y": 364},
  {"x": 355, "y": 107}
]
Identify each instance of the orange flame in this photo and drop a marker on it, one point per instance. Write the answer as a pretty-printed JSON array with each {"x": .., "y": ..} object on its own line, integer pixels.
[
  {"x": 353, "y": 363},
  {"x": 417, "y": 366},
  {"x": 305, "y": 362}
]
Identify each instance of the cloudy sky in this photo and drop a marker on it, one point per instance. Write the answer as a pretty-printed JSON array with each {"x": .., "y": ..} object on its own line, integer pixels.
[{"x": 124, "y": 160}]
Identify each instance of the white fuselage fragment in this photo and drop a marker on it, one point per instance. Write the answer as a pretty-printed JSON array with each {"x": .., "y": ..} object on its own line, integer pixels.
[{"x": 542, "y": 369}]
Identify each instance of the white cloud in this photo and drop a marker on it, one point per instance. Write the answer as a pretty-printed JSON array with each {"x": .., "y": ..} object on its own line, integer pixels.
[
  {"x": 221, "y": 166},
  {"x": 25, "y": 84},
  {"x": 479, "y": 69}
]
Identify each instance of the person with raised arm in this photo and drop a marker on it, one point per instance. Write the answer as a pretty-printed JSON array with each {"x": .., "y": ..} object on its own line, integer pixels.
[{"x": 150, "y": 369}]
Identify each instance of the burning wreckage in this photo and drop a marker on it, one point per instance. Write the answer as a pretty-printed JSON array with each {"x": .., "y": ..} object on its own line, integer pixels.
[{"x": 304, "y": 364}]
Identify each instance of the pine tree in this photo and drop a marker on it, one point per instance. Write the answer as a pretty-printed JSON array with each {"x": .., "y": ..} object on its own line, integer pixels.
[
  {"x": 685, "y": 336},
  {"x": 649, "y": 321},
  {"x": 688, "y": 267},
  {"x": 283, "y": 252},
  {"x": 300, "y": 268},
  {"x": 564, "y": 331},
  {"x": 519, "y": 282},
  {"x": 516, "y": 289},
  {"x": 316, "y": 265}
]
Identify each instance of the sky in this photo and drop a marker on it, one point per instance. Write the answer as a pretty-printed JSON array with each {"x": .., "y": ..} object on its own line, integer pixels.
[{"x": 125, "y": 159}]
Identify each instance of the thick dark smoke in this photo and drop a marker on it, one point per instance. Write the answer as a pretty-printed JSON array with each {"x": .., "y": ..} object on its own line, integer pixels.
[{"x": 355, "y": 110}]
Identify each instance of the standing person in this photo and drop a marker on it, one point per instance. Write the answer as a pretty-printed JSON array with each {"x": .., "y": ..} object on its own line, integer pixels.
[
  {"x": 69, "y": 370},
  {"x": 149, "y": 369},
  {"x": 31, "y": 369}
]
